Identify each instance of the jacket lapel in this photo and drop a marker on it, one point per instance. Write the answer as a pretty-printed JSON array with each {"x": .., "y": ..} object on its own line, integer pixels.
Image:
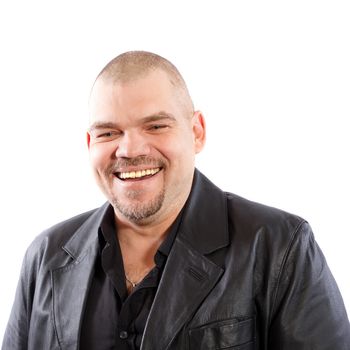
[
  {"x": 70, "y": 283},
  {"x": 192, "y": 277},
  {"x": 189, "y": 275}
]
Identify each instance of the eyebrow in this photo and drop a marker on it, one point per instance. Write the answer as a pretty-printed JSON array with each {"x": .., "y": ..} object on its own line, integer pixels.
[
  {"x": 148, "y": 119},
  {"x": 102, "y": 125},
  {"x": 158, "y": 116}
]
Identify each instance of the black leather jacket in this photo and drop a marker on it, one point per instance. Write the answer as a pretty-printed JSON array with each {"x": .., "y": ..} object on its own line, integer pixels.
[{"x": 240, "y": 275}]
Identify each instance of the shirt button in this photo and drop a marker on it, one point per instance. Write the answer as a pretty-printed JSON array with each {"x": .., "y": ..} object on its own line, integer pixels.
[{"x": 123, "y": 334}]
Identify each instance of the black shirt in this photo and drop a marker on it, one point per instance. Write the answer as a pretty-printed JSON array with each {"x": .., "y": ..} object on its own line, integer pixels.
[{"x": 113, "y": 319}]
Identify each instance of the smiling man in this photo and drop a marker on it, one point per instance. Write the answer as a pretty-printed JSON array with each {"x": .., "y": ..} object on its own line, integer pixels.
[{"x": 170, "y": 261}]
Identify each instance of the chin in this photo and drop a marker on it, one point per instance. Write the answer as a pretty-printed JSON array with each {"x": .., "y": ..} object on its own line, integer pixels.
[{"x": 139, "y": 210}]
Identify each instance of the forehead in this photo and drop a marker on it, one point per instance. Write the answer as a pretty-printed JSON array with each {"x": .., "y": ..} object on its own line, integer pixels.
[{"x": 153, "y": 90}]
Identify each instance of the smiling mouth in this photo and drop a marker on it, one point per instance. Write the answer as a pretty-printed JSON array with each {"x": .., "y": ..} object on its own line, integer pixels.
[{"x": 138, "y": 174}]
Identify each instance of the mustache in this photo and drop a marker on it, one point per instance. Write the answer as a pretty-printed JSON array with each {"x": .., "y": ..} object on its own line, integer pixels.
[{"x": 137, "y": 161}]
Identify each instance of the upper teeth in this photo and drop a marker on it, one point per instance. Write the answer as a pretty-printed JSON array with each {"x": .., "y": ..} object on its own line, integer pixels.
[{"x": 138, "y": 173}]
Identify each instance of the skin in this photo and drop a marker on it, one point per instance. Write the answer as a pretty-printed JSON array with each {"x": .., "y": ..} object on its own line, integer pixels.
[{"x": 135, "y": 126}]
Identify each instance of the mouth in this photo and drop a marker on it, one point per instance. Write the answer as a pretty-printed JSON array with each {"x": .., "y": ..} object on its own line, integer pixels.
[{"x": 137, "y": 174}]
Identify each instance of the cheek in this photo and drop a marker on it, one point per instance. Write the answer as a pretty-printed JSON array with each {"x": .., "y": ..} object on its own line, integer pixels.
[
  {"x": 100, "y": 156},
  {"x": 179, "y": 152}
]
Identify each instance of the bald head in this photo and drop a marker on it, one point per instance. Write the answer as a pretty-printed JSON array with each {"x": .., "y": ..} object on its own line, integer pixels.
[{"x": 134, "y": 65}]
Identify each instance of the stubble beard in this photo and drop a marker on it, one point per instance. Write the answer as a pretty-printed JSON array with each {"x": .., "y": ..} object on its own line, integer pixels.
[{"x": 139, "y": 212}]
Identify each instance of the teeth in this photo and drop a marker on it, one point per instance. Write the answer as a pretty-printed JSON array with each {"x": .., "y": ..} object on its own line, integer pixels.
[{"x": 138, "y": 173}]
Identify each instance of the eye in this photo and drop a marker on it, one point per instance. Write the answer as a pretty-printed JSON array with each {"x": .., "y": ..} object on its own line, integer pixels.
[
  {"x": 106, "y": 134},
  {"x": 157, "y": 127}
]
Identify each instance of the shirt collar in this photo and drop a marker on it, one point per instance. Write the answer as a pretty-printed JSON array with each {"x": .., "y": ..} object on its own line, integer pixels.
[{"x": 107, "y": 230}]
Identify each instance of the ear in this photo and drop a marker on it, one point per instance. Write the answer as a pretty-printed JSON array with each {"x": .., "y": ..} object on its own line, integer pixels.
[
  {"x": 199, "y": 130},
  {"x": 88, "y": 139}
]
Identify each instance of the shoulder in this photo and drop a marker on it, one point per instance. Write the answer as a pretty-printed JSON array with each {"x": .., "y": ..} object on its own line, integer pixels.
[
  {"x": 259, "y": 221},
  {"x": 247, "y": 209},
  {"x": 247, "y": 223},
  {"x": 46, "y": 248}
]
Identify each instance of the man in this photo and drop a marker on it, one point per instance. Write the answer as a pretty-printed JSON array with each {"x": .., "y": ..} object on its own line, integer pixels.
[{"x": 171, "y": 261}]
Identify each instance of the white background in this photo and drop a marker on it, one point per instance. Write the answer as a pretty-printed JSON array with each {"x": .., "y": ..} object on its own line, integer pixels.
[{"x": 271, "y": 77}]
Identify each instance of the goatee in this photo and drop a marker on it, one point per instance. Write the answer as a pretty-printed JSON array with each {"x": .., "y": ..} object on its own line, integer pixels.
[{"x": 139, "y": 211}]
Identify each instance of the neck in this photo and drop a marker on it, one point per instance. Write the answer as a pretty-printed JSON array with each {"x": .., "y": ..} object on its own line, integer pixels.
[{"x": 139, "y": 245}]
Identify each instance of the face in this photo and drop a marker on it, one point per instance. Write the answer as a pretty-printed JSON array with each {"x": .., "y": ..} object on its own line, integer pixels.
[{"x": 142, "y": 146}]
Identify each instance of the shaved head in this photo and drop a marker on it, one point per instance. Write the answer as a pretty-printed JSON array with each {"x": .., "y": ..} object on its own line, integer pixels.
[
  {"x": 143, "y": 138},
  {"x": 133, "y": 65}
]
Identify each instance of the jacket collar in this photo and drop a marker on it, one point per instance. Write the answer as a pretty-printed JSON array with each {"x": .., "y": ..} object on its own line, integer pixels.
[
  {"x": 86, "y": 235},
  {"x": 205, "y": 224}
]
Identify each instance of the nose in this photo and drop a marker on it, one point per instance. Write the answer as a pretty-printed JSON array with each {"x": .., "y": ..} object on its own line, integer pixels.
[{"x": 132, "y": 144}]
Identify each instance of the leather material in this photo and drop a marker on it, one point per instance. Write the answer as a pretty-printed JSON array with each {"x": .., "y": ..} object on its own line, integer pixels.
[{"x": 240, "y": 275}]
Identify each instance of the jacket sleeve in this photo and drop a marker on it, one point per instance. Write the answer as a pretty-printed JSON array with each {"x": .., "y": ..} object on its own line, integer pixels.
[
  {"x": 16, "y": 334},
  {"x": 308, "y": 311}
]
